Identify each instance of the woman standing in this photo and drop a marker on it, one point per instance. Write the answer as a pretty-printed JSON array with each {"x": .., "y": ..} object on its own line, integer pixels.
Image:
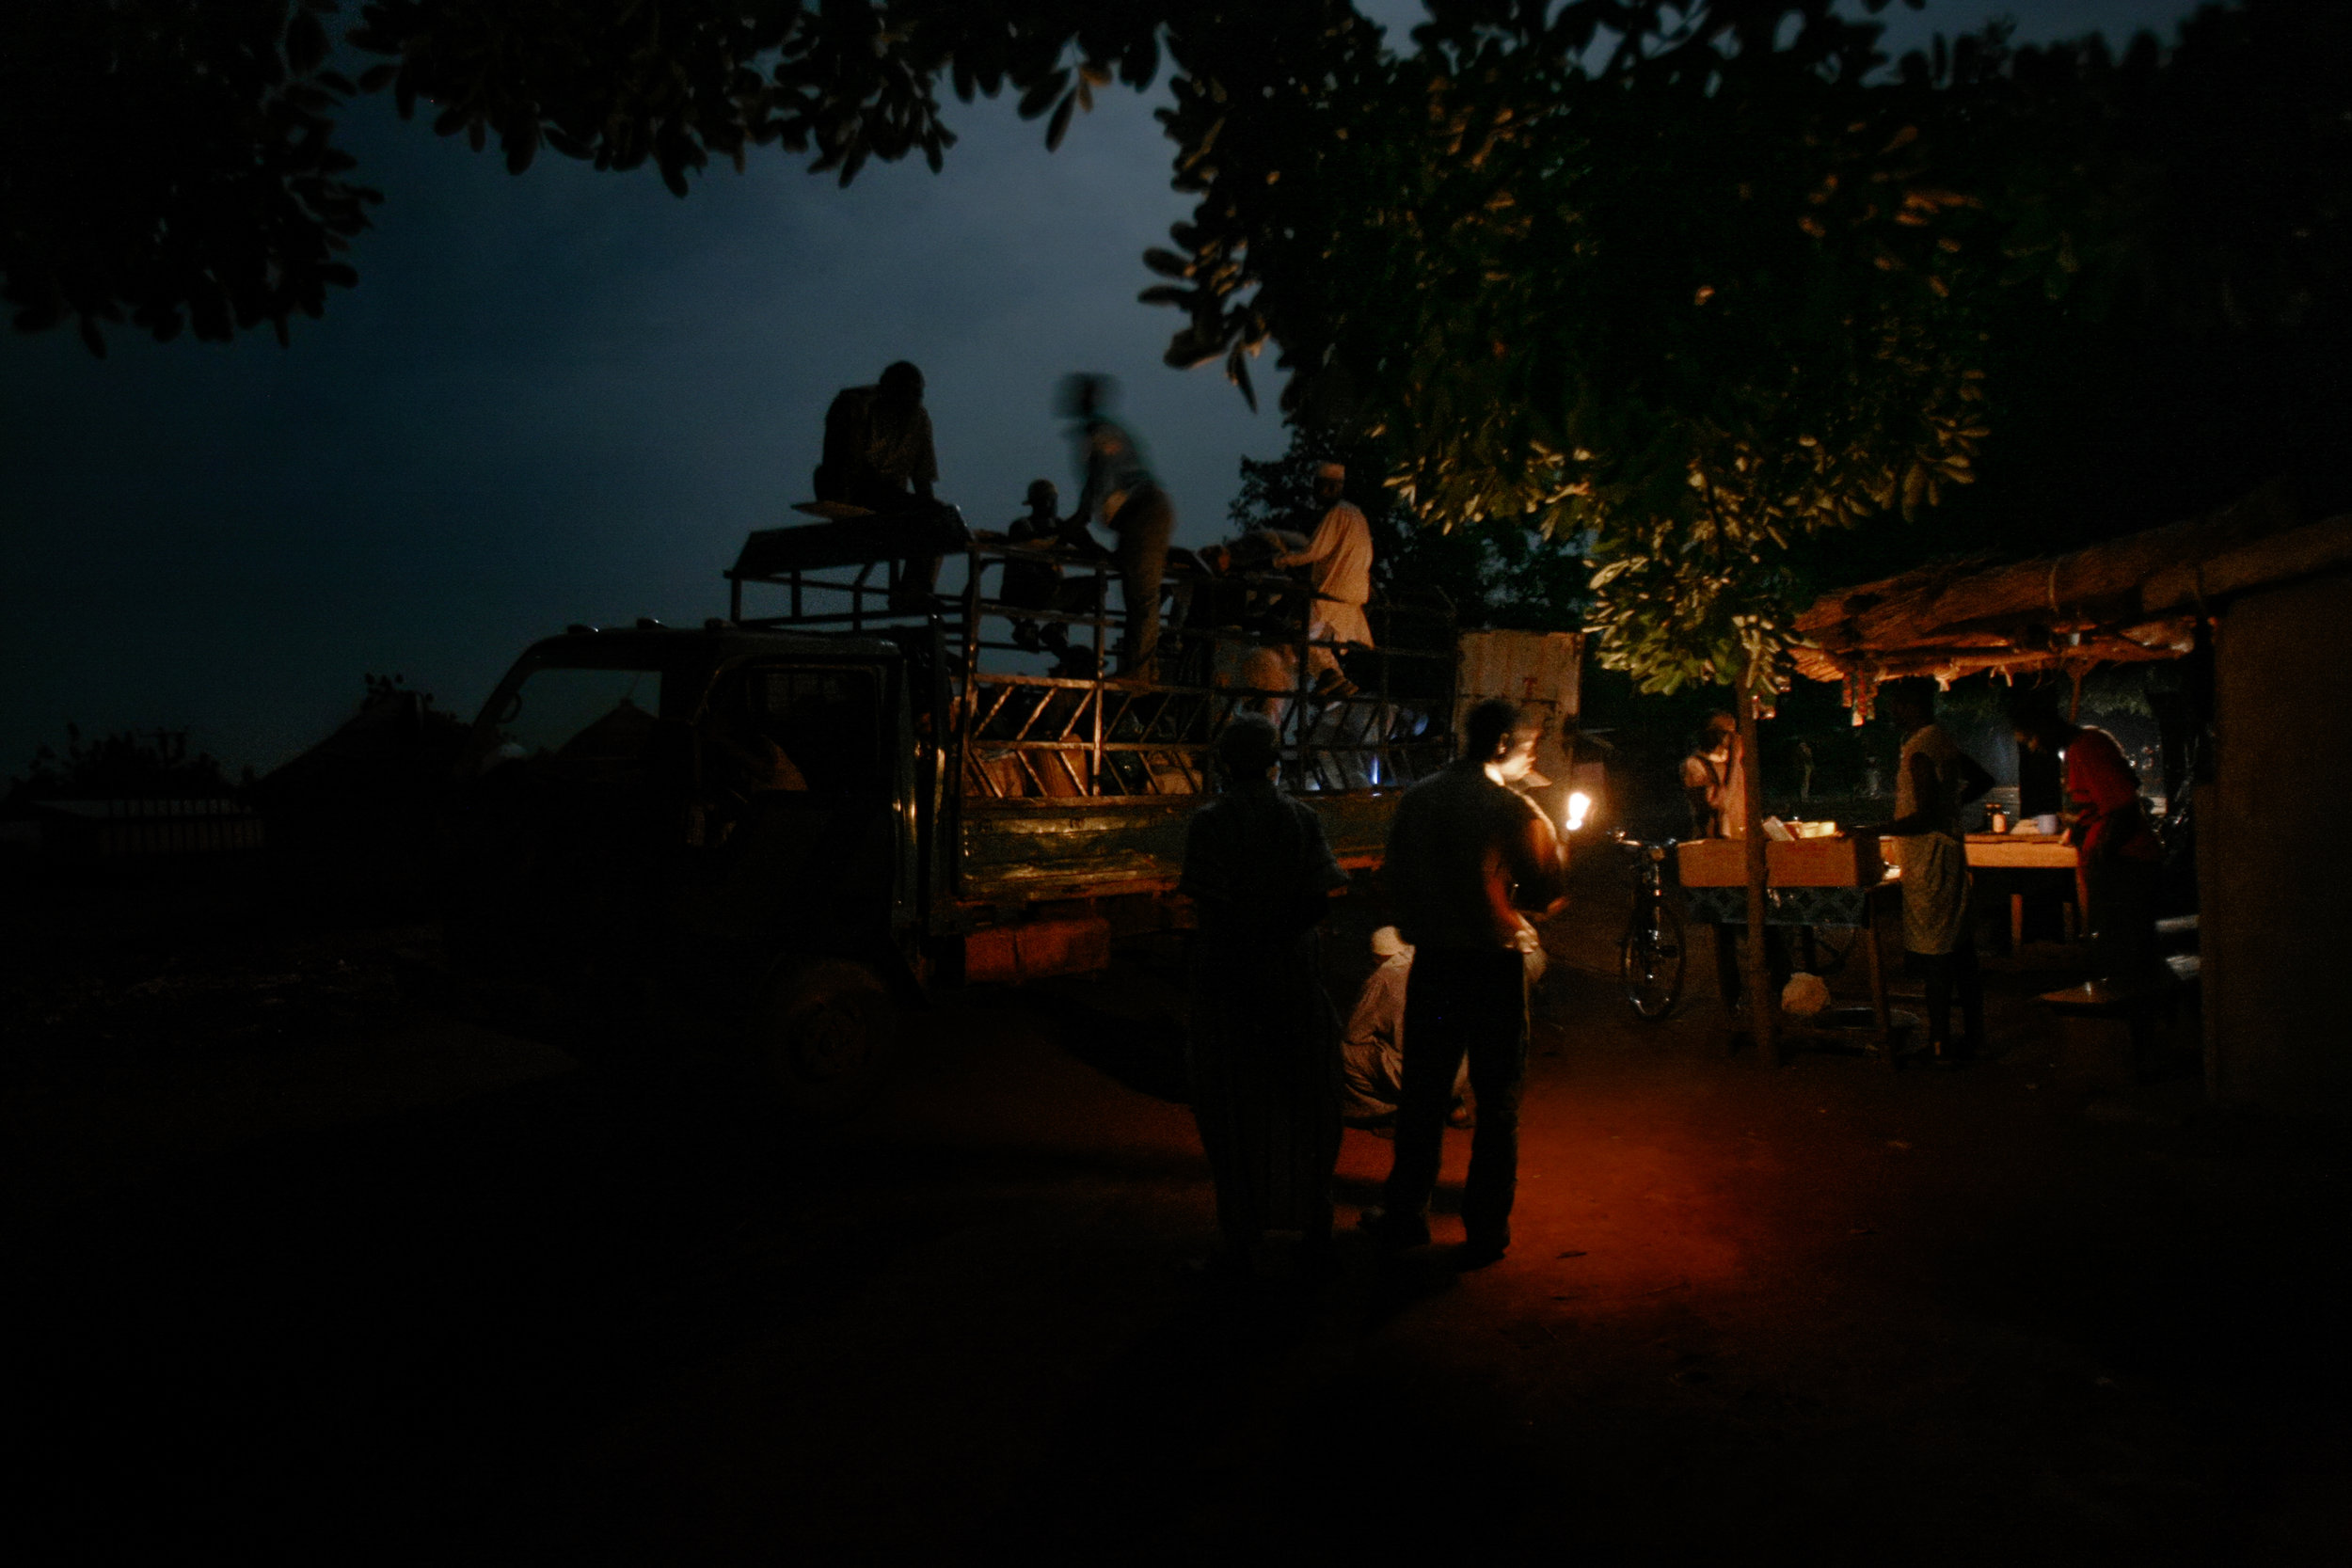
[{"x": 1934, "y": 779}]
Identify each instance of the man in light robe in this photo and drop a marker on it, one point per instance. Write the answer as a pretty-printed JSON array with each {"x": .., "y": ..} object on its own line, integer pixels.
[
  {"x": 1372, "y": 1052},
  {"x": 1339, "y": 558}
]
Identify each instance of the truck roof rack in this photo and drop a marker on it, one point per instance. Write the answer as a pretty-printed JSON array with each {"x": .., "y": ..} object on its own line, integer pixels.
[{"x": 1228, "y": 642}]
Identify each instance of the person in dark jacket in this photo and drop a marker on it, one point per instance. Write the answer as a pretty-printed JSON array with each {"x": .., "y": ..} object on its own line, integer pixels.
[{"x": 1264, "y": 1053}]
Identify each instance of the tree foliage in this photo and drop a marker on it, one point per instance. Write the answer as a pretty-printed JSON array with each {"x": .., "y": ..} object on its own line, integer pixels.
[
  {"x": 1678, "y": 282},
  {"x": 134, "y": 765},
  {"x": 1712, "y": 284},
  {"x": 173, "y": 160},
  {"x": 2172, "y": 229},
  {"x": 621, "y": 82}
]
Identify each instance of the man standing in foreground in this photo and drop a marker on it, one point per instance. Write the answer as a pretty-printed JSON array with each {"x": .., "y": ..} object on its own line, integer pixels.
[
  {"x": 1264, "y": 1053},
  {"x": 1465, "y": 854},
  {"x": 1340, "y": 556}
]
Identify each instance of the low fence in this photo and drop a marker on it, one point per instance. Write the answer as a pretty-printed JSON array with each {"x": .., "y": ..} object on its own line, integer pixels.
[{"x": 115, "y": 830}]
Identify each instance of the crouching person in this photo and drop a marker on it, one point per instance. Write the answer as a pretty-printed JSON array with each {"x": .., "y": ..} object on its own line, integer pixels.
[{"x": 1372, "y": 1052}]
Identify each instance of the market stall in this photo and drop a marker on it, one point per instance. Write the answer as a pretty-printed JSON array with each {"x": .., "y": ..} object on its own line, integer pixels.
[{"x": 2256, "y": 601}]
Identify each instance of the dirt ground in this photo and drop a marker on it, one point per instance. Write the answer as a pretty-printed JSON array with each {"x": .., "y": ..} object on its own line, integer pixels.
[{"x": 302, "y": 1270}]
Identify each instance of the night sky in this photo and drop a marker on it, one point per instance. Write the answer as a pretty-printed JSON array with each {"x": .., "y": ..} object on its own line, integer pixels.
[{"x": 566, "y": 396}]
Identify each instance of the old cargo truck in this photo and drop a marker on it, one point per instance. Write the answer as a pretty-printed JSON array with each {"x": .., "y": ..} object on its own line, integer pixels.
[{"x": 759, "y": 836}]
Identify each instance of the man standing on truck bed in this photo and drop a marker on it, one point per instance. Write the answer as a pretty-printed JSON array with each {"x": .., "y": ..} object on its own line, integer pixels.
[
  {"x": 1036, "y": 582},
  {"x": 1465, "y": 853},
  {"x": 1120, "y": 489},
  {"x": 1341, "y": 555},
  {"x": 1263, "y": 1054}
]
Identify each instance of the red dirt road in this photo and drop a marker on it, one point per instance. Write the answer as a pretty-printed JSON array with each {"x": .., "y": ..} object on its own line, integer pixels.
[{"x": 461, "y": 1301}]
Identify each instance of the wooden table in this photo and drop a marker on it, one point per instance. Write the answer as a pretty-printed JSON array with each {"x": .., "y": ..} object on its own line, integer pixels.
[
  {"x": 1873, "y": 913},
  {"x": 2026, "y": 852}
]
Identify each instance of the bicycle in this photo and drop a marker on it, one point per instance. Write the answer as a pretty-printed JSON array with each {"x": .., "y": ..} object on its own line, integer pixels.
[{"x": 1649, "y": 955}]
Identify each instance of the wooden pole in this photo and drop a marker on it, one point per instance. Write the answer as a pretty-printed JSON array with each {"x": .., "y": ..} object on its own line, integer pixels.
[{"x": 1762, "y": 1003}]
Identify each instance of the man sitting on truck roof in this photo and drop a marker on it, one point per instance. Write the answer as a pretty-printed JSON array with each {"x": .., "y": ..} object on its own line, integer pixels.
[
  {"x": 877, "y": 457},
  {"x": 878, "y": 444}
]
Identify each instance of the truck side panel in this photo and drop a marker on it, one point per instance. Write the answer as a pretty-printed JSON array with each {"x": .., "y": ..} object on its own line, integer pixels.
[{"x": 1024, "y": 851}]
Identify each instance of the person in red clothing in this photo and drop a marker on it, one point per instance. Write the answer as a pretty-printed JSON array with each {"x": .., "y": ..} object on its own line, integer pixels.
[{"x": 2119, "y": 857}]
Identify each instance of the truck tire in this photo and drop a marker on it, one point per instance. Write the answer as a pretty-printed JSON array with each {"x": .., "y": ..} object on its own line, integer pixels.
[{"x": 824, "y": 1036}]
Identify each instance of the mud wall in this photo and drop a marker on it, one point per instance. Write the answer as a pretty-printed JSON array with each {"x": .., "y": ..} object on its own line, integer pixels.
[{"x": 2275, "y": 853}]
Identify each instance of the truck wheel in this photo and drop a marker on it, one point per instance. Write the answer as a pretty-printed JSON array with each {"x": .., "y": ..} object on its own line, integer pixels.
[{"x": 824, "y": 1033}]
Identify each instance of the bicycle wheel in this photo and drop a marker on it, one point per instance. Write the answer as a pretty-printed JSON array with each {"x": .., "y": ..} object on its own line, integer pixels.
[{"x": 1649, "y": 963}]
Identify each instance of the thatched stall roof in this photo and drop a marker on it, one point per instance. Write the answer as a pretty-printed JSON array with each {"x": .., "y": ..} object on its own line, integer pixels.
[{"x": 2134, "y": 598}]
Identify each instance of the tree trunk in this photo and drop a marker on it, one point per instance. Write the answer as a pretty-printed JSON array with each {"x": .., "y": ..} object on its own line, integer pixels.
[{"x": 1762, "y": 1003}]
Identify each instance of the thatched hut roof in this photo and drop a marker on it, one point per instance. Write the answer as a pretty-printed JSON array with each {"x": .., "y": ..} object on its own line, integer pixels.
[{"x": 2138, "y": 597}]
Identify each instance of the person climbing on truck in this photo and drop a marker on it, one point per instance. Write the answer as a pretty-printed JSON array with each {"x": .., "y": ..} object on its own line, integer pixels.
[{"x": 1119, "y": 488}]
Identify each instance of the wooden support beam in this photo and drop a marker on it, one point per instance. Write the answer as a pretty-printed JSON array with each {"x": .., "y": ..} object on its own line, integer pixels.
[{"x": 1763, "y": 1007}]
